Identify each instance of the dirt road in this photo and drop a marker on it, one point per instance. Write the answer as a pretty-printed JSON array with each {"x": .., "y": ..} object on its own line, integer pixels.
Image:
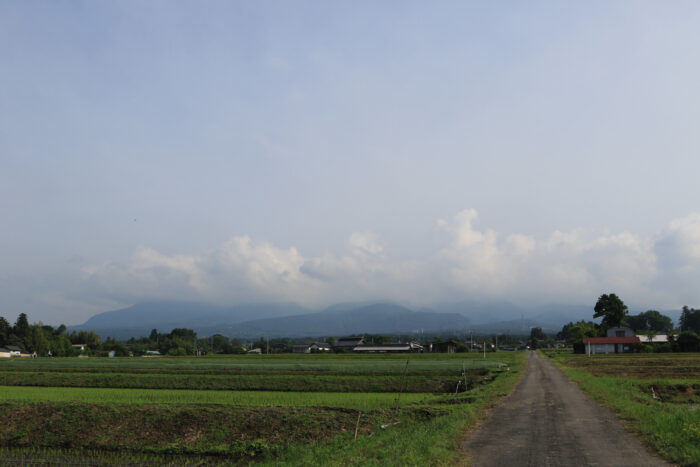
[{"x": 549, "y": 421}]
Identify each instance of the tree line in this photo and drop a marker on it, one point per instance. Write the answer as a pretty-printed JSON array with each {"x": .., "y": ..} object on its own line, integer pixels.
[
  {"x": 57, "y": 341},
  {"x": 46, "y": 340}
]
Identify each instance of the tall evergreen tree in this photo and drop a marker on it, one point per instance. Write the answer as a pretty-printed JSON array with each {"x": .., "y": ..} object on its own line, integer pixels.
[{"x": 21, "y": 328}]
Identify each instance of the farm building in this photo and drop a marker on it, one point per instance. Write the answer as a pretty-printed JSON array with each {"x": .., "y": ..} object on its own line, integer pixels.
[
  {"x": 618, "y": 340},
  {"x": 314, "y": 347},
  {"x": 348, "y": 343},
  {"x": 655, "y": 339},
  {"x": 301, "y": 348},
  {"x": 609, "y": 344},
  {"x": 620, "y": 331},
  {"x": 442, "y": 347},
  {"x": 389, "y": 348},
  {"x": 320, "y": 347},
  {"x": 13, "y": 350},
  {"x": 5, "y": 352}
]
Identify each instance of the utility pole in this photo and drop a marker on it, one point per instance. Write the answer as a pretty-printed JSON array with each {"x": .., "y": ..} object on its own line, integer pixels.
[{"x": 471, "y": 340}]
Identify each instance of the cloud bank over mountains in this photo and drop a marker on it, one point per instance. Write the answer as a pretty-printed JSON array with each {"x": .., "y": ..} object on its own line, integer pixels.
[{"x": 477, "y": 262}]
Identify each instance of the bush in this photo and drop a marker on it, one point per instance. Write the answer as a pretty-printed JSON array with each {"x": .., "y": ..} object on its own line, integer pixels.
[
  {"x": 663, "y": 348},
  {"x": 177, "y": 352}
]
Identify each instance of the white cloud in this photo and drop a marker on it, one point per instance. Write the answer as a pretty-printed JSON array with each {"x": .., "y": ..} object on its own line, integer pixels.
[
  {"x": 572, "y": 267},
  {"x": 568, "y": 266}
]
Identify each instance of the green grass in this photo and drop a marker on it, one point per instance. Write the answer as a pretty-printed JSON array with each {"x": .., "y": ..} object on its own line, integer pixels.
[
  {"x": 359, "y": 401},
  {"x": 315, "y": 427},
  {"x": 413, "y": 442},
  {"x": 666, "y": 426}
]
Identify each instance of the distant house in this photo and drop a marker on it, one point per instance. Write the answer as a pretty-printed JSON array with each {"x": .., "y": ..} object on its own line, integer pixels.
[
  {"x": 301, "y": 348},
  {"x": 621, "y": 331},
  {"x": 442, "y": 347},
  {"x": 655, "y": 339},
  {"x": 5, "y": 352},
  {"x": 389, "y": 348},
  {"x": 255, "y": 351},
  {"x": 80, "y": 347},
  {"x": 321, "y": 347},
  {"x": 151, "y": 353},
  {"x": 348, "y": 343},
  {"x": 618, "y": 340},
  {"x": 14, "y": 350},
  {"x": 314, "y": 347}
]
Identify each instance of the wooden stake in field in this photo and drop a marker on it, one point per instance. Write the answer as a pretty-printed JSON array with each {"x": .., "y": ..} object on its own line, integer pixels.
[
  {"x": 403, "y": 380},
  {"x": 357, "y": 425}
]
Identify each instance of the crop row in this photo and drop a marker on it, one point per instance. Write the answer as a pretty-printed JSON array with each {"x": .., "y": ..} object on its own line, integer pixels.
[
  {"x": 639, "y": 366},
  {"x": 353, "y": 400},
  {"x": 209, "y": 430},
  {"x": 258, "y": 365},
  {"x": 270, "y": 382}
]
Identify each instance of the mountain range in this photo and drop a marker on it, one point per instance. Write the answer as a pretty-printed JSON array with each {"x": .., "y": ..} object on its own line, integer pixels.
[{"x": 291, "y": 320}]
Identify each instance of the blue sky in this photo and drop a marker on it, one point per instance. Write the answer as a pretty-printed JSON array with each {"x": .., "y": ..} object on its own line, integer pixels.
[{"x": 327, "y": 151}]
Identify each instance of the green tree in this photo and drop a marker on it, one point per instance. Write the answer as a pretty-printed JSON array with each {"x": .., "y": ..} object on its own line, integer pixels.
[
  {"x": 382, "y": 340},
  {"x": 61, "y": 346},
  {"x": 650, "y": 320},
  {"x": 690, "y": 319},
  {"x": 612, "y": 309},
  {"x": 5, "y": 330},
  {"x": 21, "y": 328},
  {"x": 537, "y": 338},
  {"x": 688, "y": 341}
]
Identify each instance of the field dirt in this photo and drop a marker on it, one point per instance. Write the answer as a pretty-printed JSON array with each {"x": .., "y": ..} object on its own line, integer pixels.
[
  {"x": 549, "y": 421},
  {"x": 639, "y": 366}
]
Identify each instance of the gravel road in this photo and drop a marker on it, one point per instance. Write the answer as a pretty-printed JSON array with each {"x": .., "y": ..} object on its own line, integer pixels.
[{"x": 549, "y": 421}]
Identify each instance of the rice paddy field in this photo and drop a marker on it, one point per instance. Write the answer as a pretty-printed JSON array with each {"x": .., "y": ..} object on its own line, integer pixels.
[
  {"x": 658, "y": 396},
  {"x": 237, "y": 410}
]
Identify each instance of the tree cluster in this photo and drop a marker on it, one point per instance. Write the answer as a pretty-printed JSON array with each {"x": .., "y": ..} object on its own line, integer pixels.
[
  {"x": 576, "y": 332},
  {"x": 615, "y": 313},
  {"x": 650, "y": 320},
  {"x": 183, "y": 341},
  {"x": 690, "y": 320},
  {"x": 45, "y": 340}
]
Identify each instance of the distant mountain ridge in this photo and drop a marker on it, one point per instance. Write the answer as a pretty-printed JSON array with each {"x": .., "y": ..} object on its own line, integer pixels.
[
  {"x": 138, "y": 320},
  {"x": 291, "y": 320},
  {"x": 380, "y": 318},
  {"x": 273, "y": 320}
]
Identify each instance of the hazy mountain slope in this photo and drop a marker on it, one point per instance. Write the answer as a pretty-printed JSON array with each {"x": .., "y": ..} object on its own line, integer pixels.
[
  {"x": 377, "y": 318},
  {"x": 139, "y": 319},
  {"x": 257, "y": 320}
]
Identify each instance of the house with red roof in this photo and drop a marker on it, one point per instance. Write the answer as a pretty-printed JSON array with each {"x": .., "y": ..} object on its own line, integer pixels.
[{"x": 618, "y": 340}]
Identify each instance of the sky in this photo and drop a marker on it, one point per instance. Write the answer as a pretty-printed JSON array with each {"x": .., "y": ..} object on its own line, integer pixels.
[{"x": 321, "y": 152}]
